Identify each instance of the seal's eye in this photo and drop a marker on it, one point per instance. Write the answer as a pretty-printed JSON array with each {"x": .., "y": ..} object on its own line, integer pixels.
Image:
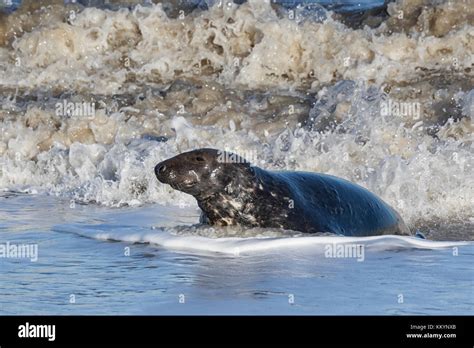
[{"x": 199, "y": 159}]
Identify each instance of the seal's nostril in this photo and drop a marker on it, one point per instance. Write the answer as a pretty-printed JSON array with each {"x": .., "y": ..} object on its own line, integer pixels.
[{"x": 160, "y": 169}]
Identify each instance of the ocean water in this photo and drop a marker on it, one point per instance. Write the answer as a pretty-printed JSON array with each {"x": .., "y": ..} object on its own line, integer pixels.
[{"x": 92, "y": 97}]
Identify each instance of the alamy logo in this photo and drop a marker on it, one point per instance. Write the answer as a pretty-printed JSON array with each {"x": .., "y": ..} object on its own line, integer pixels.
[
  {"x": 71, "y": 109},
  {"x": 19, "y": 251},
  {"x": 37, "y": 331},
  {"x": 230, "y": 157},
  {"x": 346, "y": 250},
  {"x": 389, "y": 107}
]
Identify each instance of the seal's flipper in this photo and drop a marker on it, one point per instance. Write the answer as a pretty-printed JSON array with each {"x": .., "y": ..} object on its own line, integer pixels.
[
  {"x": 418, "y": 234},
  {"x": 203, "y": 219}
]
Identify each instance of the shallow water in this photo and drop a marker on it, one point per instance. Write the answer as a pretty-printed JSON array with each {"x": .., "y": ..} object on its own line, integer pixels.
[
  {"x": 263, "y": 277},
  {"x": 93, "y": 97}
]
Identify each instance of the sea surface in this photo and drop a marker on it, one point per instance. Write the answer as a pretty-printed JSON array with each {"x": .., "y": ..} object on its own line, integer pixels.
[{"x": 95, "y": 93}]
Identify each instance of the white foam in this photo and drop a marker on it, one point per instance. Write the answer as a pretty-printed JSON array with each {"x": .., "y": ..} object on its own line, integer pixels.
[
  {"x": 104, "y": 160},
  {"x": 167, "y": 238}
]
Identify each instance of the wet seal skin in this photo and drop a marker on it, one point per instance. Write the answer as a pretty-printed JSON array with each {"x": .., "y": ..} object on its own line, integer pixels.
[{"x": 230, "y": 191}]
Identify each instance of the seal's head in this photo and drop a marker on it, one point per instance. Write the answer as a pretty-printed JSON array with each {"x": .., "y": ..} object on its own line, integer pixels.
[{"x": 202, "y": 172}]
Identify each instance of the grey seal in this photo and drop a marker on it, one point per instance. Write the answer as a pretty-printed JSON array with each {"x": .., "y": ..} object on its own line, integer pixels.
[{"x": 230, "y": 191}]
